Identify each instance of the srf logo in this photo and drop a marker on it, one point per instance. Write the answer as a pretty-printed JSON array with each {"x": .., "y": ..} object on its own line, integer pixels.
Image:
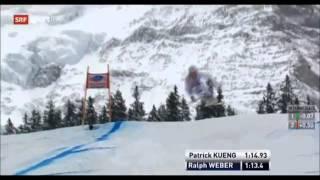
[{"x": 20, "y": 19}]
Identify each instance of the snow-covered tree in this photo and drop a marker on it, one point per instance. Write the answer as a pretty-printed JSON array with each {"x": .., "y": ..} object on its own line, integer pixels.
[
  {"x": 153, "y": 115},
  {"x": 136, "y": 110}
]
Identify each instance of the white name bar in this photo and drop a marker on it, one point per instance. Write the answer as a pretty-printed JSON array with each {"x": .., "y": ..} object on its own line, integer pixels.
[{"x": 228, "y": 155}]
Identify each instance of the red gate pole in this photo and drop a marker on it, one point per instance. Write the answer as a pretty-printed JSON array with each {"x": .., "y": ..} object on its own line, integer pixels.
[
  {"x": 109, "y": 91},
  {"x": 85, "y": 99}
]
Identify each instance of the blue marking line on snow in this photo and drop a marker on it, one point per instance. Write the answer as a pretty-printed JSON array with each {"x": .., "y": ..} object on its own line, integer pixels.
[
  {"x": 73, "y": 172},
  {"x": 72, "y": 150},
  {"x": 59, "y": 149},
  {"x": 93, "y": 148},
  {"x": 48, "y": 161},
  {"x": 114, "y": 128}
]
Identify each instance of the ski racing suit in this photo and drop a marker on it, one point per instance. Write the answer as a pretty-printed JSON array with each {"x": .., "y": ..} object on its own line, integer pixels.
[{"x": 200, "y": 86}]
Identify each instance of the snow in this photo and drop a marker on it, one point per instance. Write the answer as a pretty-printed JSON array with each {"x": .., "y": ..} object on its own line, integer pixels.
[{"x": 130, "y": 147}]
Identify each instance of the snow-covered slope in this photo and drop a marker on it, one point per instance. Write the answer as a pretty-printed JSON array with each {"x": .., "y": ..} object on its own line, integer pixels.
[
  {"x": 159, "y": 147},
  {"x": 152, "y": 46}
]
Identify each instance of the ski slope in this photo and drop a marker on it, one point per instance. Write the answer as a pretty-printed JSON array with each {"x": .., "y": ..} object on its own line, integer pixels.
[{"x": 130, "y": 147}]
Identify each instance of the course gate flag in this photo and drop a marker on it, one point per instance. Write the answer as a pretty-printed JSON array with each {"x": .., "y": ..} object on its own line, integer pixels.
[{"x": 96, "y": 81}]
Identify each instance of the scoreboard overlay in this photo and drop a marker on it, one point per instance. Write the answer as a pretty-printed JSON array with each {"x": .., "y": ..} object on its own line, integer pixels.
[
  {"x": 227, "y": 160},
  {"x": 301, "y": 117}
]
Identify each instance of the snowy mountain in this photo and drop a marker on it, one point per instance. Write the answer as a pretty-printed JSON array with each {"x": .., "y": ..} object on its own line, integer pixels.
[
  {"x": 244, "y": 47},
  {"x": 128, "y": 147}
]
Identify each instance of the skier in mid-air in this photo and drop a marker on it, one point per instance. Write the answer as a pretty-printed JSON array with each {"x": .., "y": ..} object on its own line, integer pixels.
[{"x": 201, "y": 86}]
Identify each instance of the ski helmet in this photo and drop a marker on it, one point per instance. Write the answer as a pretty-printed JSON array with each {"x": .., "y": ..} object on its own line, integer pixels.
[{"x": 193, "y": 69}]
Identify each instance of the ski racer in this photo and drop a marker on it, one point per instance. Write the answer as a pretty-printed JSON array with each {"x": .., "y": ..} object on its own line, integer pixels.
[{"x": 200, "y": 85}]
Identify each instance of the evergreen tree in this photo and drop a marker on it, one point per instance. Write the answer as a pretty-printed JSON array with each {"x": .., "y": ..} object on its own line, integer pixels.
[
  {"x": 26, "y": 127},
  {"x": 173, "y": 109},
  {"x": 153, "y": 115},
  {"x": 91, "y": 113},
  {"x": 35, "y": 121},
  {"x": 175, "y": 90},
  {"x": 111, "y": 104},
  {"x": 130, "y": 114},
  {"x": 176, "y": 93},
  {"x": 10, "y": 129},
  {"x": 286, "y": 95},
  {"x": 283, "y": 103},
  {"x": 21, "y": 129},
  {"x": 162, "y": 112},
  {"x": 230, "y": 111},
  {"x": 173, "y": 106},
  {"x": 49, "y": 116},
  {"x": 308, "y": 100},
  {"x": 296, "y": 101},
  {"x": 103, "y": 118},
  {"x": 26, "y": 119},
  {"x": 202, "y": 111},
  {"x": 118, "y": 107},
  {"x": 219, "y": 110},
  {"x": 58, "y": 118},
  {"x": 136, "y": 110},
  {"x": 261, "y": 107},
  {"x": 269, "y": 100},
  {"x": 70, "y": 115},
  {"x": 79, "y": 112},
  {"x": 185, "y": 112},
  {"x": 220, "y": 96}
]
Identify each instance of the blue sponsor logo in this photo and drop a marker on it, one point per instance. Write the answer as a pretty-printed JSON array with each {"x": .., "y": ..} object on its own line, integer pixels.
[{"x": 97, "y": 78}]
